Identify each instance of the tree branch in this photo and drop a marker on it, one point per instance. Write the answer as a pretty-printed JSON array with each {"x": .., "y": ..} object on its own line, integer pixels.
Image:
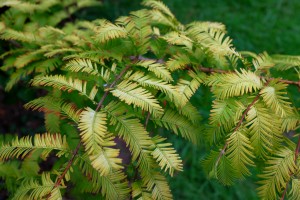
[
  {"x": 110, "y": 86},
  {"x": 222, "y": 152},
  {"x": 75, "y": 152},
  {"x": 220, "y": 71}
]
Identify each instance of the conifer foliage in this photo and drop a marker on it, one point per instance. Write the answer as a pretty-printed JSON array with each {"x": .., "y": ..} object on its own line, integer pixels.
[{"x": 113, "y": 86}]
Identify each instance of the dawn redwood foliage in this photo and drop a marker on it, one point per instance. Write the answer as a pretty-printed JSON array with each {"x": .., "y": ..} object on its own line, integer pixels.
[{"x": 113, "y": 86}]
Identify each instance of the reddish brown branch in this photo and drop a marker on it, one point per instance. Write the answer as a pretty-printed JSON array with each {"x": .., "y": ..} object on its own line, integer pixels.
[
  {"x": 68, "y": 166},
  {"x": 297, "y": 150},
  {"x": 284, "y": 192},
  {"x": 147, "y": 120}
]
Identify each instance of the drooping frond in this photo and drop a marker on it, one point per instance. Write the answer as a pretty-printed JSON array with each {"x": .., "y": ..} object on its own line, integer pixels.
[
  {"x": 45, "y": 142},
  {"x": 215, "y": 40},
  {"x": 179, "y": 124},
  {"x": 191, "y": 112},
  {"x": 186, "y": 88},
  {"x": 113, "y": 186},
  {"x": 234, "y": 84},
  {"x": 160, "y": 18},
  {"x": 159, "y": 6},
  {"x": 166, "y": 155},
  {"x": 156, "y": 184},
  {"x": 52, "y": 122},
  {"x": 226, "y": 173},
  {"x": 9, "y": 34},
  {"x": 176, "y": 38},
  {"x": 147, "y": 80},
  {"x": 157, "y": 68},
  {"x": 276, "y": 174},
  {"x": 27, "y": 58},
  {"x": 132, "y": 132},
  {"x": 273, "y": 96},
  {"x": 67, "y": 84},
  {"x": 240, "y": 153},
  {"x": 34, "y": 189},
  {"x": 82, "y": 65},
  {"x": 290, "y": 122},
  {"x": 98, "y": 142},
  {"x": 90, "y": 67},
  {"x": 139, "y": 30},
  {"x": 93, "y": 129},
  {"x": 17, "y": 76},
  {"x": 294, "y": 193},
  {"x": 109, "y": 31},
  {"x": 264, "y": 129},
  {"x": 223, "y": 117},
  {"x": 285, "y": 62},
  {"x": 263, "y": 61},
  {"x": 213, "y": 134},
  {"x": 226, "y": 112},
  {"x": 107, "y": 159},
  {"x": 206, "y": 26},
  {"x": 140, "y": 192},
  {"x": 131, "y": 93},
  {"x": 49, "y": 103},
  {"x": 178, "y": 62},
  {"x": 219, "y": 166}
]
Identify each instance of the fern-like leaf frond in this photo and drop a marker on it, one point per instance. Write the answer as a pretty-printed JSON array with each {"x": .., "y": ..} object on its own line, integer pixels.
[
  {"x": 131, "y": 93},
  {"x": 157, "y": 68},
  {"x": 97, "y": 141},
  {"x": 166, "y": 155},
  {"x": 140, "y": 192},
  {"x": 147, "y": 80},
  {"x": 48, "y": 103},
  {"x": 178, "y": 62},
  {"x": 186, "y": 88},
  {"x": 294, "y": 193},
  {"x": 276, "y": 174},
  {"x": 265, "y": 129},
  {"x": 156, "y": 184},
  {"x": 159, "y": 6},
  {"x": 285, "y": 62},
  {"x": 273, "y": 96},
  {"x": 33, "y": 189},
  {"x": 45, "y": 142},
  {"x": 113, "y": 186},
  {"x": 179, "y": 124},
  {"x": 234, "y": 84},
  {"x": 240, "y": 153},
  {"x": 68, "y": 84},
  {"x": 109, "y": 31}
]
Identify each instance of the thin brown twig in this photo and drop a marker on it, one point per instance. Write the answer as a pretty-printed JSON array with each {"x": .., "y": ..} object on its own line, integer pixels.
[
  {"x": 147, "y": 120},
  {"x": 110, "y": 86},
  {"x": 75, "y": 152},
  {"x": 297, "y": 150},
  {"x": 285, "y": 190}
]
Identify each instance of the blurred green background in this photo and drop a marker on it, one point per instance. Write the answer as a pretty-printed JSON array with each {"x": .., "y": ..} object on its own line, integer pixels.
[{"x": 255, "y": 25}]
